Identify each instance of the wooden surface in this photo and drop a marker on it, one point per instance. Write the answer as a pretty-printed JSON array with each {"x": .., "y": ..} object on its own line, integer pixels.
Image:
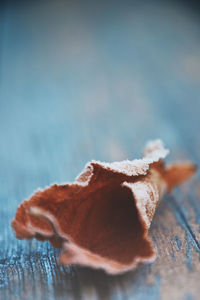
[{"x": 82, "y": 81}]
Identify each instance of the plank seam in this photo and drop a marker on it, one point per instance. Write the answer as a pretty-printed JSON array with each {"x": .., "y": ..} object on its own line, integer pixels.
[{"x": 187, "y": 225}]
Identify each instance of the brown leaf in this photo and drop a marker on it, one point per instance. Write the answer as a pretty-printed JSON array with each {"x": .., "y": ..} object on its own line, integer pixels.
[{"x": 102, "y": 219}]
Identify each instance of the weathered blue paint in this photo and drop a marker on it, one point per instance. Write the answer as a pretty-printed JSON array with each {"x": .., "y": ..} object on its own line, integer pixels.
[
  {"x": 153, "y": 291},
  {"x": 172, "y": 255},
  {"x": 82, "y": 81},
  {"x": 178, "y": 242},
  {"x": 188, "y": 251},
  {"x": 195, "y": 205},
  {"x": 192, "y": 242},
  {"x": 189, "y": 297}
]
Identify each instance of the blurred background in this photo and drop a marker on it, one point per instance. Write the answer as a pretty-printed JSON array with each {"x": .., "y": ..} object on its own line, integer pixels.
[{"x": 82, "y": 80}]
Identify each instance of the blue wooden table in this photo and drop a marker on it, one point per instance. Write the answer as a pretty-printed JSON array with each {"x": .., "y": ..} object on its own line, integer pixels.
[{"x": 82, "y": 81}]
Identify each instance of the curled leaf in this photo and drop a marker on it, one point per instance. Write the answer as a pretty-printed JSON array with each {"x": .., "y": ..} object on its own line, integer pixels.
[{"x": 102, "y": 219}]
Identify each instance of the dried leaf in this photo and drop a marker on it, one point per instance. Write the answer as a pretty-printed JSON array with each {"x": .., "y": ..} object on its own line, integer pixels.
[{"x": 102, "y": 219}]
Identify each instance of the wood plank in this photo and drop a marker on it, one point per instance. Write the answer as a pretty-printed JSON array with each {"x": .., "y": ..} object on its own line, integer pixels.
[{"x": 76, "y": 87}]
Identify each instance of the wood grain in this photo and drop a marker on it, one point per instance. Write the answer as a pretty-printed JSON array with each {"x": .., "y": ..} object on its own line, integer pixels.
[{"x": 82, "y": 81}]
